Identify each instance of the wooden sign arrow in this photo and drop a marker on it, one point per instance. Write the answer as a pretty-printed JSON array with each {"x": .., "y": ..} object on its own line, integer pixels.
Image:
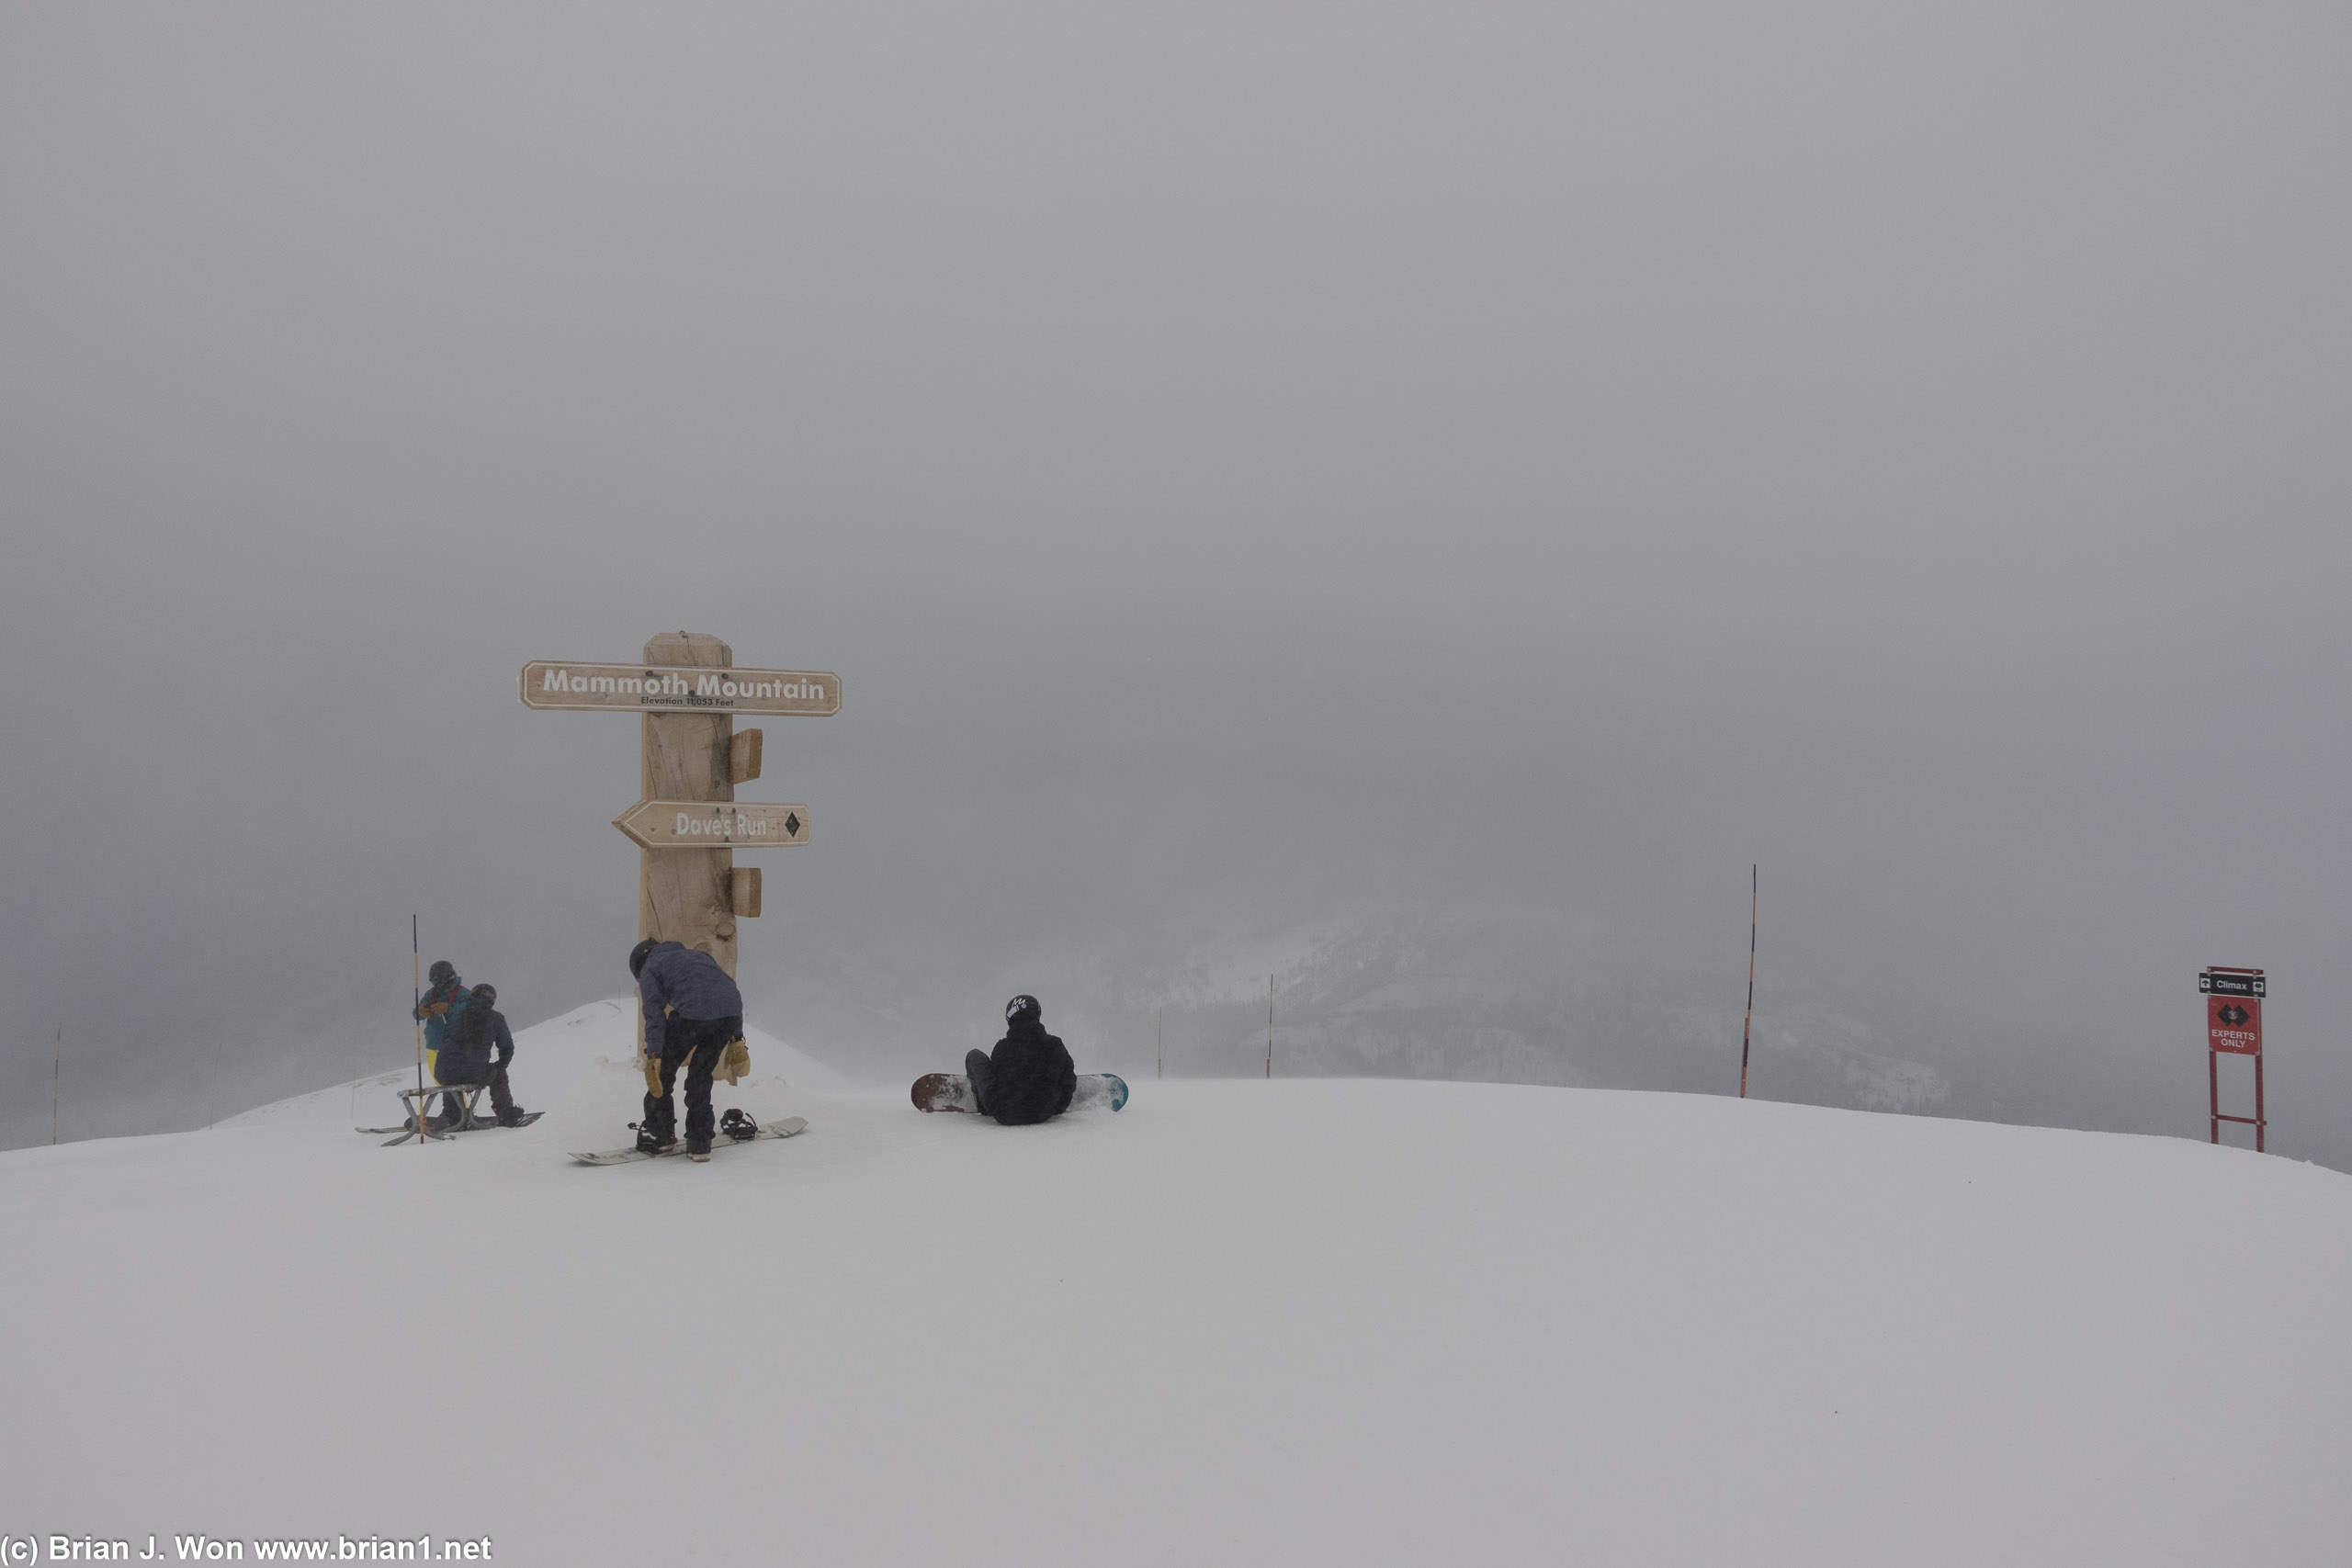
[
  {"x": 658, "y": 688},
  {"x": 712, "y": 825}
]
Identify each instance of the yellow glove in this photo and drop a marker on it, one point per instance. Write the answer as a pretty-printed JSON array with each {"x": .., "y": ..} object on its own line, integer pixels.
[
  {"x": 734, "y": 1062},
  {"x": 652, "y": 1076}
]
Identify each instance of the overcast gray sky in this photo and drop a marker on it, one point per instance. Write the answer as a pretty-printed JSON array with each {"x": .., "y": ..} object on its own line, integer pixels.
[{"x": 1248, "y": 464}]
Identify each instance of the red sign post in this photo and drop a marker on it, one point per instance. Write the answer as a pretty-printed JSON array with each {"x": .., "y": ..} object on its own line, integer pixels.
[{"x": 2233, "y": 1026}]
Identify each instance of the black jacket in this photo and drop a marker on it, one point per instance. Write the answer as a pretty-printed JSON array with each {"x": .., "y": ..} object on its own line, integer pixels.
[
  {"x": 466, "y": 1045},
  {"x": 1034, "y": 1077}
]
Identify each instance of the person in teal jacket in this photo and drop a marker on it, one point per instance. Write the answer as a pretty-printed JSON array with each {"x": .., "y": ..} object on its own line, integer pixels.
[{"x": 446, "y": 999}]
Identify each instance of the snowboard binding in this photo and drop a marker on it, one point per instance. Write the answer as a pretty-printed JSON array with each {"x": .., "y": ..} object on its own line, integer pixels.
[{"x": 738, "y": 1124}]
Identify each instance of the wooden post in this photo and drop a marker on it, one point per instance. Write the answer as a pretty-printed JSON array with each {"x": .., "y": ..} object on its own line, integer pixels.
[{"x": 687, "y": 895}]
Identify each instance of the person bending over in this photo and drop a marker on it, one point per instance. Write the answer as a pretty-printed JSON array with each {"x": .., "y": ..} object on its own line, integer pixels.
[
  {"x": 1029, "y": 1077},
  {"x": 692, "y": 1013}
]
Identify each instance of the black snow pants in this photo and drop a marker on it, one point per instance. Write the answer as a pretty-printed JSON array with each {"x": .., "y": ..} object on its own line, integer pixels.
[
  {"x": 697, "y": 1044},
  {"x": 980, "y": 1068},
  {"x": 501, "y": 1099}
]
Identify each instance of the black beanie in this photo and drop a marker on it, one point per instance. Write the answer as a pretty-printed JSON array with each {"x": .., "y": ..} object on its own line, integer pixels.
[
  {"x": 1021, "y": 1008},
  {"x": 637, "y": 956}
]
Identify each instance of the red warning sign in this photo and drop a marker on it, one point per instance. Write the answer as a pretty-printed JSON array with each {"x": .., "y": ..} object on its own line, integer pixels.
[{"x": 2235, "y": 1024}]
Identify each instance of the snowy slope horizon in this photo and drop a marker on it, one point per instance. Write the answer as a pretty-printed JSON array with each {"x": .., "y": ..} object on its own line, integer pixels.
[
  {"x": 1310, "y": 1320},
  {"x": 1492, "y": 993}
]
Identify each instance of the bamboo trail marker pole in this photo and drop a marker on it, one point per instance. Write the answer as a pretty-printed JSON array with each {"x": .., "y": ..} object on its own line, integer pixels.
[
  {"x": 416, "y": 985},
  {"x": 1751, "y": 1022}
]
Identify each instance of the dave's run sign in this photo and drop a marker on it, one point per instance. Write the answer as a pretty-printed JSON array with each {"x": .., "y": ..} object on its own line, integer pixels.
[{"x": 712, "y": 823}]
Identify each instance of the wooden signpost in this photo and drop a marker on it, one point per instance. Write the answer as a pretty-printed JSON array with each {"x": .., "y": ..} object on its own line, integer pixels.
[{"x": 685, "y": 823}]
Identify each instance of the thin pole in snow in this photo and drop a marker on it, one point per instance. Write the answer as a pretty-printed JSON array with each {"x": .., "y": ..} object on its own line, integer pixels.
[
  {"x": 416, "y": 984},
  {"x": 56, "y": 1067},
  {"x": 1159, "y": 1049},
  {"x": 1745, "y": 1027},
  {"x": 1269, "y": 1026}
]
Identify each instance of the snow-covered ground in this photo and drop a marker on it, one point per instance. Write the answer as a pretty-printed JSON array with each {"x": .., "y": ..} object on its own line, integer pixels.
[{"x": 1311, "y": 1321}]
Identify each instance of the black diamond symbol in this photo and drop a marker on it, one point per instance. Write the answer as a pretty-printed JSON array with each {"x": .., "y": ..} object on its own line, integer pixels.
[
  {"x": 792, "y": 824},
  {"x": 2234, "y": 1015}
]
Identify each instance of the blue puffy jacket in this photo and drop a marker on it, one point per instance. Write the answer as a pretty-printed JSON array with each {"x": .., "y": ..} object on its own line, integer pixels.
[
  {"x": 457, "y": 993},
  {"x": 686, "y": 978}
]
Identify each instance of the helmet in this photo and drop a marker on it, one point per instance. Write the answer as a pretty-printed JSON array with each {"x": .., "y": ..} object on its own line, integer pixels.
[
  {"x": 485, "y": 994},
  {"x": 637, "y": 956},
  {"x": 1019, "y": 1008},
  {"x": 442, "y": 972}
]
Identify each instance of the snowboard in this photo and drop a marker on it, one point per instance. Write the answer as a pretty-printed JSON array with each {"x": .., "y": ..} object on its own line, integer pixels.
[
  {"x": 528, "y": 1118},
  {"x": 953, "y": 1091},
  {"x": 783, "y": 1129}
]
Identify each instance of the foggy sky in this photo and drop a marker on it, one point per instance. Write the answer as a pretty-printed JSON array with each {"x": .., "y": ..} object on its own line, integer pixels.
[{"x": 1251, "y": 466}]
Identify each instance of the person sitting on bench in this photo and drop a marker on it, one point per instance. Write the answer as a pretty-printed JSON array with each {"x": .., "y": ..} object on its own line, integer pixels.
[{"x": 464, "y": 1059}]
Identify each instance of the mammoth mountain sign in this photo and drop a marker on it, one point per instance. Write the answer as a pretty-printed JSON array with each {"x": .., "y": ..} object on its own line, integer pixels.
[{"x": 654, "y": 688}]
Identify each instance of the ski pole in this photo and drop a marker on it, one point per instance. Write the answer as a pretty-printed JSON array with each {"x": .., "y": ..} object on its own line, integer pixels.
[{"x": 1746, "y": 1026}]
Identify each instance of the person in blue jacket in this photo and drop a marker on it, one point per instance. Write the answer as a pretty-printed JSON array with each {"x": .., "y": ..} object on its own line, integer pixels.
[
  {"x": 466, "y": 1056},
  {"x": 692, "y": 1013},
  {"x": 446, "y": 999}
]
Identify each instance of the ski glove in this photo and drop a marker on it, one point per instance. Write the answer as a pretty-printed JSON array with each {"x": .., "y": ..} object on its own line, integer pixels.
[
  {"x": 734, "y": 1062},
  {"x": 652, "y": 1076}
]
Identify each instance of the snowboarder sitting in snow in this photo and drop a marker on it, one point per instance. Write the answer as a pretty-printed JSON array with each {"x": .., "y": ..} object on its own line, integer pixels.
[
  {"x": 1029, "y": 1077},
  {"x": 692, "y": 1013},
  {"x": 465, "y": 1058},
  {"x": 448, "y": 995}
]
